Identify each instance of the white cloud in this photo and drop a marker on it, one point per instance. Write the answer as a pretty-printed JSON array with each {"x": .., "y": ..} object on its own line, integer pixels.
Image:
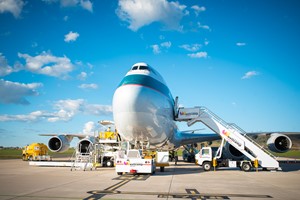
[
  {"x": 157, "y": 48},
  {"x": 64, "y": 110},
  {"x": 201, "y": 54},
  {"x": 139, "y": 13},
  {"x": 14, "y": 92},
  {"x": 197, "y": 9},
  {"x": 47, "y": 64},
  {"x": 161, "y": 37},
  {"x": 82, "y": 76},
  {"x": 89, "y": 128},
  {"x": 68, "y": 3},
  {"x": 13, "y": 6},
  {"x": 240, "y": 44},
  {"x": 166, "y": 44},
  {"x": 66, "y": 18},
  {"x": 96, "y": 109},
  {"x": 85, "y": 4},
  {"x": 71, "y": 36},
  {"x": 192, "y": 47},
  {"x": 250, "y": 74},
  {"x": 206, "y": 27},
  {"x": 5, "y": 69},
  {"x": 33, "y": 116},
  {"x": 206, "y": 42},
  {"x": 67, "y": 109},
  {"x": 88, "y": 86}
]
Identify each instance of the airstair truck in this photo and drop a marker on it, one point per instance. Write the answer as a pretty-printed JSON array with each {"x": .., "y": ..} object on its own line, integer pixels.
[{"x": 230, "y": 133}]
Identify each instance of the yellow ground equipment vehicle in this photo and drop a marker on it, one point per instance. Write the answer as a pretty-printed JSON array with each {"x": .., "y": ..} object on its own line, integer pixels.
[{"x": 35, "y": 151}]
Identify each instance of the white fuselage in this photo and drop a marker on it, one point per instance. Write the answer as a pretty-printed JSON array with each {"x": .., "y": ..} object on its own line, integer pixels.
[{"x": 143, "y": 107}]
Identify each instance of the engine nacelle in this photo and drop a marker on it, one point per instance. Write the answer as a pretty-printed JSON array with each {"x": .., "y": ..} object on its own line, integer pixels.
[
  {"x": 230, "y": 152},
  {"x": 279, "y": 143},
  {"x": 59, "y": 143},
  {"x": 86, "y": 145}
]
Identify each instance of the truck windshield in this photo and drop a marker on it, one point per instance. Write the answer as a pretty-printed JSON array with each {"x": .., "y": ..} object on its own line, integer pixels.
[{"x": 205, "y": 151}]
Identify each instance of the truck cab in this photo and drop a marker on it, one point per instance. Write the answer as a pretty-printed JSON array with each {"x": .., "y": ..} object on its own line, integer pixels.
[{"x": 204, "y": 158}]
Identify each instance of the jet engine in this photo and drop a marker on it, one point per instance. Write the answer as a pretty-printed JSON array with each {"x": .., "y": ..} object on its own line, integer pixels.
[
  {"x": 230, "y": 152},
  {"x": 59, "y": 143},
  {"x": 279, "y": 143},
  {"x": 86, "y": 145}
]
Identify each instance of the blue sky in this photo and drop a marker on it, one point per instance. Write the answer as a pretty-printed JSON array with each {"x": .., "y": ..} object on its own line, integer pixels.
[{"x": 61, "y": 60}]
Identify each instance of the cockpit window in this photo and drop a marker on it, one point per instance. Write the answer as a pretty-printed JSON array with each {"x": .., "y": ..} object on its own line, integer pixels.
[
  {"x": 144, "y": 67},
  {"x": 134, "y": 68}
]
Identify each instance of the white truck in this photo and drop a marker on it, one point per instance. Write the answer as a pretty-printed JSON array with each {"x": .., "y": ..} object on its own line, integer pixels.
[
  {"x": 205, "y": 159},
  {"x": 133, "y": 163}
]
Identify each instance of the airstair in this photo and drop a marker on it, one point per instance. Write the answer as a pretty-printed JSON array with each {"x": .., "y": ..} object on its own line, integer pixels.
[
  {"x": 83, "y": 160},
  {"x": 231, "y": 133}
]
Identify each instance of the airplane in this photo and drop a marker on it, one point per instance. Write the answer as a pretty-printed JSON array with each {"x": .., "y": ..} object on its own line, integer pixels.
[{"x": 144, "y": 111}]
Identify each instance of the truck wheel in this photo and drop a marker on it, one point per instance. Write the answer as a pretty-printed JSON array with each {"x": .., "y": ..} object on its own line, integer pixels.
[
  {"x": 246, "y": 167},
  {"x": 109, "y": 163},
  {"x": 207, "y": 166}
]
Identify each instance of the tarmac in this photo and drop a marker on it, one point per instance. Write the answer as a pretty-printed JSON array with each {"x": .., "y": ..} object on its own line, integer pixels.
[{"x": 20, "y": 181}]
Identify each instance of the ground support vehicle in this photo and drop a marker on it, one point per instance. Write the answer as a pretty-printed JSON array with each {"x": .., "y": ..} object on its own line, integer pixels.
[
  {"x": 233, "y": 135},
  {"x": 162, "y": 159},
  {"x": 35, "y": 151},
  {"x": 133, "y": 163},
  {"x": 206, "y": 160}
]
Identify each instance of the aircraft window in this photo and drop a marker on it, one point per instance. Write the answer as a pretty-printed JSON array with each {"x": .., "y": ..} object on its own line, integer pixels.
[
  {"x": 143, "y": 67},
  {"x": 134, "y": 68}
]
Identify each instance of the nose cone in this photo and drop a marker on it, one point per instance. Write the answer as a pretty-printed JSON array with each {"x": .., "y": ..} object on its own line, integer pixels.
[{"x": 142, "y": 114}]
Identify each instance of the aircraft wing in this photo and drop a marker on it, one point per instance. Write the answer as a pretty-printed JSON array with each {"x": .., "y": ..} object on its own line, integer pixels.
[
  {"x": 183, "y": 138},
  {"x": 271, "y": 132},
  {"x": 80, "y": 136}
]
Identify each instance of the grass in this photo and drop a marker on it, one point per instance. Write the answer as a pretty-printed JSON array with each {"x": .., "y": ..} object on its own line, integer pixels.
[
  {"x": 17, "y": 153},
  {"x": 289, "y": 154},
  {"x": 11, "y": 154}
]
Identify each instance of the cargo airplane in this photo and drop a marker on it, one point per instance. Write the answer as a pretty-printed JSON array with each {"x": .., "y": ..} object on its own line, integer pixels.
[{"x": 144, "y": 111}]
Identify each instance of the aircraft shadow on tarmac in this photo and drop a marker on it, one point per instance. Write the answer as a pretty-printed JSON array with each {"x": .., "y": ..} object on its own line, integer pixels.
[{"x": 289, "y": 166}]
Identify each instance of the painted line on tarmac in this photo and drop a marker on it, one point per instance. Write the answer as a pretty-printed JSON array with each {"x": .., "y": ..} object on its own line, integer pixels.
[{"x": 131, "y": 177}]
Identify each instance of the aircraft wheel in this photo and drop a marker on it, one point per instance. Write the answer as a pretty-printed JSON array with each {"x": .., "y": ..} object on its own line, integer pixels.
[
  {"x": 207, "y": 166},
  {"x": 246, "y": 167},
  {"x": 153, "y": 172},
  {"x": 162, "y": 169},
  {"x": 109, "y": 163}
]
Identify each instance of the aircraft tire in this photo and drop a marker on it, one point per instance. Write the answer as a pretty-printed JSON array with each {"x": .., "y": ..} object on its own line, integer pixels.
[
  {"x": 162, "y": 169},
  {"x": 109, "y": 163}
]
